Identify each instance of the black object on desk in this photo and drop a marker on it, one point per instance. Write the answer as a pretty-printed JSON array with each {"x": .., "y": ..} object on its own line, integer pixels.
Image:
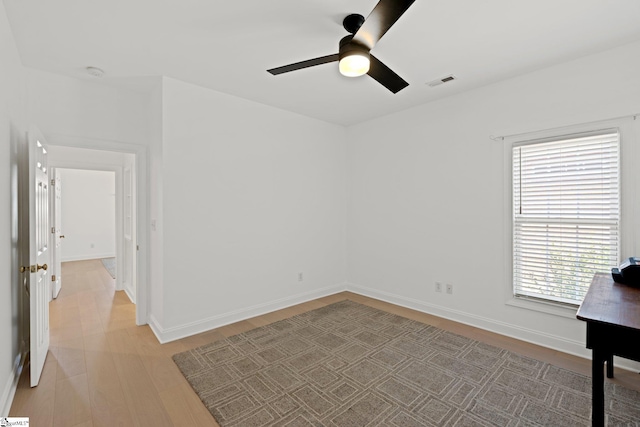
[
  {"x": 612, "y": 313},
  {"x": 628, "y": 272}
]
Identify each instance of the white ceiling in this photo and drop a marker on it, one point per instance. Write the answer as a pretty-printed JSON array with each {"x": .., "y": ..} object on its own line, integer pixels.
[{"x": 229, "y": 45}]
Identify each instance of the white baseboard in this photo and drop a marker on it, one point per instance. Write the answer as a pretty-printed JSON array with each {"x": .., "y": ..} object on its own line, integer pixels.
[
  {"x": 127, "y": 290},
  {"x": 555, "y": 342},
  {"x": 86, "y": 257},
  {"x": 183, "y": 331},
  {"x": 536, "y": 337},
  {"x": 9, "y": 390}
]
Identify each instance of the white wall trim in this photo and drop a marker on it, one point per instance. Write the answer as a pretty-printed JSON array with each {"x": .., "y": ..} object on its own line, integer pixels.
[
  {"x": 9, "y": 390},
  {"x": 178, "y": 332},
  {"x": 555, "y": 342},
  {"x": 87, "y": 257},
  {"x": 129, "y": 293},
  {"x": 628, "y": 126},
  {"x": 557, "y": 126}
]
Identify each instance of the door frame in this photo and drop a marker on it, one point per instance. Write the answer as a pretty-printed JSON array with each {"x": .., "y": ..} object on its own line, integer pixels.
[
  {"x": 142, "y": 203},
  {"x": 54, "y": 220}
]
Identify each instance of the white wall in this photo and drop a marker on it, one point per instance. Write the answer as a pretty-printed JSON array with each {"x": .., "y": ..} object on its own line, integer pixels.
[
  {"x": 428, "y": 193},
  {"x": 64, "y": 106},
  {"x": 12, "y": 128},
  {"x": 252, "y": 196},
  {"x": 88, "y": 214}
]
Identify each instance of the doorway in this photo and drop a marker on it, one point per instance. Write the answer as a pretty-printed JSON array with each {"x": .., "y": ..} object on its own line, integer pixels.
[
  {"x": 85, "y": 222},
  {"x": 126, "y": 168}
]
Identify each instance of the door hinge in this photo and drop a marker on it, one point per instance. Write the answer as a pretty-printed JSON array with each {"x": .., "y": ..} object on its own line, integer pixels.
[
  {"x": 53, "y": 182},
  {"x": 137, "y": 247},
  {"x": 53, "y": 277},
  {"x": 53, "y": 230}
]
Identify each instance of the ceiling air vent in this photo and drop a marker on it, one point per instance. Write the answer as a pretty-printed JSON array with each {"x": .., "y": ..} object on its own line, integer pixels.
[{"x": 438, "y": 82}]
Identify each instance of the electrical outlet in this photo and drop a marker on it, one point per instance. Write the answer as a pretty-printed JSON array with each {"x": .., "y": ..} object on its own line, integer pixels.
[
  {"x": 300, "y": 277},
  {"x": 438, "y": 287},
  {"x": 449, "y": 288}
]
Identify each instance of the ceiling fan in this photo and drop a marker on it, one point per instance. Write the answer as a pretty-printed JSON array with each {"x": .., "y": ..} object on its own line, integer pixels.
[{"x": 354, "y": 54}]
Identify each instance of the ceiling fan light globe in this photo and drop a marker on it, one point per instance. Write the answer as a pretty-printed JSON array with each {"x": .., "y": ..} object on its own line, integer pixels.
[{"x": 354, "y": 65}]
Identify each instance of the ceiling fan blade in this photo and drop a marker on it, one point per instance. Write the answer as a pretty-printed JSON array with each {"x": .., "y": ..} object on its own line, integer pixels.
[
  {"x": 385, "y": 76},
  {"x": 304, "y": 64},
  {"x": 381, "y": 18}
]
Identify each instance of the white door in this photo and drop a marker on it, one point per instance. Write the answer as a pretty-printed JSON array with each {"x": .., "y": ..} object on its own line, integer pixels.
[
  {"x": 56, "y": 236},
  {"x": 39, "y": 288}
]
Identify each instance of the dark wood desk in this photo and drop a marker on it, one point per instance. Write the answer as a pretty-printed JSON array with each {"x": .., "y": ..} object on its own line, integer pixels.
[{"x": 612, "y": 313}]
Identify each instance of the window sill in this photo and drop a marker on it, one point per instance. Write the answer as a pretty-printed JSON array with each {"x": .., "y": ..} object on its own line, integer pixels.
[{"x": 544, "y": 307}]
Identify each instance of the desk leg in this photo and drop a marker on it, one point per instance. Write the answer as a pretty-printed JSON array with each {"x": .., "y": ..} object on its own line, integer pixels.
[
  {"x": 597, "y": 378},
  {"x": 610, "y": 366}
]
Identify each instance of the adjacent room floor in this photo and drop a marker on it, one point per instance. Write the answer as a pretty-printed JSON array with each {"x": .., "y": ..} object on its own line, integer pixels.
[{"x": 103, "y": 370}]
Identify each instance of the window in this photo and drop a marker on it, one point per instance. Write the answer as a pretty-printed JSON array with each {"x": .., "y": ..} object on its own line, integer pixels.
[{"x": 566, "y": 214}]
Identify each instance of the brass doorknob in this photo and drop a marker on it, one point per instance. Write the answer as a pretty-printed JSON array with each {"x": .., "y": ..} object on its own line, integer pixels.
[
  {"x": 62, "y": 236},
  {"x": 33, "y": 268}
]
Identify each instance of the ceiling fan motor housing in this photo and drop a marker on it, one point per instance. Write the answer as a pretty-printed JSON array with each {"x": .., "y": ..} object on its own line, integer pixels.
[{"x": 349, "y": 47}]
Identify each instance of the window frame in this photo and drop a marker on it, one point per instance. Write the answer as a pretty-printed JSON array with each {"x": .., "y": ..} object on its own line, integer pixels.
[
  {"x": 629, "y": 186},
  {"x": 565, "y": 220}
]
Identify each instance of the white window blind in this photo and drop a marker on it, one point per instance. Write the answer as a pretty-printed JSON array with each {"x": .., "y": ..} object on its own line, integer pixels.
[{"x": 566, "y": 214}]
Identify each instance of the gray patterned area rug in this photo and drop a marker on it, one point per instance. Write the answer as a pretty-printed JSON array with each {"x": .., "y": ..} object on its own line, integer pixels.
[{"x": 349, "y": 365}]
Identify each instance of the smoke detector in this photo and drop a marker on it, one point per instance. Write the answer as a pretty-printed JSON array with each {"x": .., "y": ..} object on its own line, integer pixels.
[
  {"x": 443, "y": 80},
  {"x": 95, "y": 71}
]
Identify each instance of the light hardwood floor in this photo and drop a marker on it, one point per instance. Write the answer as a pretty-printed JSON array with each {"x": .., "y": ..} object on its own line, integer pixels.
[{"x": 103, "y": 370}]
